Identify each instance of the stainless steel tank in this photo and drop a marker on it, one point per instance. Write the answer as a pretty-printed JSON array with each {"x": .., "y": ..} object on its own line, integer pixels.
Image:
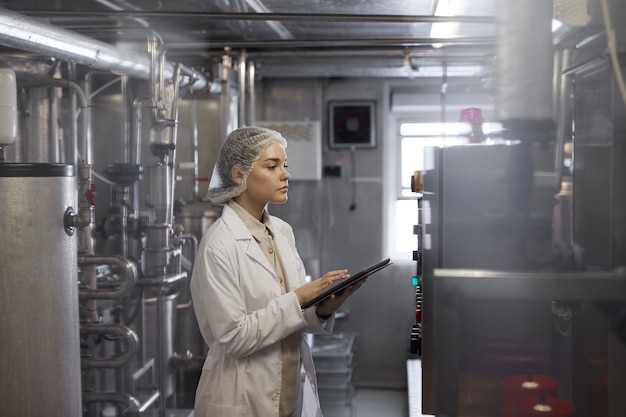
[{"x": 39, "y": 342}]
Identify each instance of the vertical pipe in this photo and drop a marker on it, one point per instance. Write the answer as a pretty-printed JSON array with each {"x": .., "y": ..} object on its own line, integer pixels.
[
  {"x": 124, "y": 190},
  {"x": 242, "y": 88},
  {"x": 35, "y": 125},
  {"x": 125, "y": 127},
  {"x": 251, "y": 94},
  {"x": 72, "y": 158},
  {"x": 174, "y": 137},
  {"x": 194, "y": 127},
  {"x": 562, "y": 109},
  {"x": 85, "y": 149},
  {"x": 138, "y": 104},
  {"x": 226, "y": 119},
  {"x": 54, "y": 151}
]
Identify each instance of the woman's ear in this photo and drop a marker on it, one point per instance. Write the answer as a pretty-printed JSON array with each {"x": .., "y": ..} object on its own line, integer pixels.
[{"x": 237, "y": 175}]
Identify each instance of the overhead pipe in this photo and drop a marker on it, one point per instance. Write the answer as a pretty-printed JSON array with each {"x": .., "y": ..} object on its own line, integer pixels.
[
  {"x": 333, "y": 43},
  {"x": 322, "y": 17},
  {"x": 26, "y": 34}
]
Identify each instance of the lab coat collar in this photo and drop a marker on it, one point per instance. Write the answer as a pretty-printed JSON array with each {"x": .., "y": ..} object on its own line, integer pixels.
[{"x": 245, "y": 238}]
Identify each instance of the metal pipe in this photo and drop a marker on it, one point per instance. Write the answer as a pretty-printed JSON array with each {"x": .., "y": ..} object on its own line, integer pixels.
[
  {"x": 242, "y": 88},
  {"x": 138, "y": 104},
  {"x": 125, "y": 125},
  {"x": 226, "y": 98},
  {"x": 161, "y": 362},
  {"x": 194, "y": 137},
  {"x": 53, "y": 82},
  {"x": 129, "y": 336},
  {"x": 563, "y": 111},
  {"x": 162, "y": 280},
  {"x": 26, "y": 34},
  {"x": 73, "y": 147},
  {"x": 336, "y": 43},
  {"x": 174, "y": 138},
  {"x": 54, "y": 138},
  {"x": 251, "y": 94},
  {"x": 127, "y": 401},
  {"x": 125, "y": 190},
  {"x": 129, "y": 272},
  {"x": 322, "y": 17}
]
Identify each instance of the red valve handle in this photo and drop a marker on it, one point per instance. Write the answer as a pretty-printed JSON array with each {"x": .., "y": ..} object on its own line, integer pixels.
[{"x": 90, "y": 194}]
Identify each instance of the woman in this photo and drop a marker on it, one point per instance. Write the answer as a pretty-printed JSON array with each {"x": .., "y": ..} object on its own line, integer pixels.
[{"x": 247, "y": 286}]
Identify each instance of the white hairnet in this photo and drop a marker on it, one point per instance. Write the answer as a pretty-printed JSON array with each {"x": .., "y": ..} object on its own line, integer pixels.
[{"x": 242, "y": 149}]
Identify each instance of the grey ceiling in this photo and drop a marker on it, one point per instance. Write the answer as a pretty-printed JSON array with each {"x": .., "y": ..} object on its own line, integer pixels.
[{"x": 289, "y": 37}]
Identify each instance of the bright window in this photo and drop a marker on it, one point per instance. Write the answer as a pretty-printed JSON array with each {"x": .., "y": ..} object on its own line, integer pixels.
[{"x": 413, "y": 138}]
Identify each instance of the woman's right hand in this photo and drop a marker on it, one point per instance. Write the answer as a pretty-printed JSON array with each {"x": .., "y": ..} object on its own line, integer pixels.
[{"x": 316, "y": 287}]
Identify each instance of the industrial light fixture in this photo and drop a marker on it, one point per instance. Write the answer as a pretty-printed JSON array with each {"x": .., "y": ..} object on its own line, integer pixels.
[{"x": 445, "y": 29}]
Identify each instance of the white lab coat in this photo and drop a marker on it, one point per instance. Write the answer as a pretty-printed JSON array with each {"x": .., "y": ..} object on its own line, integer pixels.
[{"x": 243, "y": 316}]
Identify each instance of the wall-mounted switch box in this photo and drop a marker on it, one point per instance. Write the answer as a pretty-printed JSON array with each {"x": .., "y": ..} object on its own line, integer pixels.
[{"x": 332, "y": 171}]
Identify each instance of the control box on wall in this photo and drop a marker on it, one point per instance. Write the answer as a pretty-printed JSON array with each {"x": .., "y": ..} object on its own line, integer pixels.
[
  {"x": 304, "y": 147},
  {"x": 352, "y": 124}
]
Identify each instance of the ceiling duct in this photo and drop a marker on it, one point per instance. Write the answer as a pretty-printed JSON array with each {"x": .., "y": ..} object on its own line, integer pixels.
[
  {"x": 524, "y": 62},
  {"x": 25, "y": 34}
]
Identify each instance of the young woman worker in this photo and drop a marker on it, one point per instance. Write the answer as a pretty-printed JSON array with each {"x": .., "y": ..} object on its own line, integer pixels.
[{"x": 248, "y": 284}]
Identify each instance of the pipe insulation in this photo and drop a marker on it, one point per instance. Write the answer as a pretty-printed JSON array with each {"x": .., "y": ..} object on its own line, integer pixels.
[
  {"x": 524, "y": 60},
  {"x": 30, "y": 35}
]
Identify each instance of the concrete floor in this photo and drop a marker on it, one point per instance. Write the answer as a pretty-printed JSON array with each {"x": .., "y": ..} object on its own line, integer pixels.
[
  {"x": 380, "y": 402},
  {"x": 371, "y": 403}
]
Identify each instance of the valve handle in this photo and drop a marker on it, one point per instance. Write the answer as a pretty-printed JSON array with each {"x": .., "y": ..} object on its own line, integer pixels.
[{"x": 90, "y": 194}]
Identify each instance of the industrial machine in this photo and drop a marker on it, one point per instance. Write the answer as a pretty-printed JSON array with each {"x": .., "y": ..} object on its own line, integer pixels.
[
  {"x": 91, "y": 313},
  {"x": 521, "y": 256}
]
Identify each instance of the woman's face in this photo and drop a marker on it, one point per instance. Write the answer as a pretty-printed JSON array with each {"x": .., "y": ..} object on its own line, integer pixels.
[{"x": 268, "y": 181}]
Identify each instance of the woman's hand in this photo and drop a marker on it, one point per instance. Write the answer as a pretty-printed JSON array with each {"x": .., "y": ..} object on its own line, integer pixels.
[
  {"x": 314, "y": 288},
  {"x": 327, "y": 307}
]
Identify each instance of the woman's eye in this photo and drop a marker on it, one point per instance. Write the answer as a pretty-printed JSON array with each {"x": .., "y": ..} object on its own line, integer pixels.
[{"x": 285, "y": 166}]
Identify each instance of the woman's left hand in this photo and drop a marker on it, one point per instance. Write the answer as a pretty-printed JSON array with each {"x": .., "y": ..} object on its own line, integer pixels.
[{"x": 332, "y": 303}]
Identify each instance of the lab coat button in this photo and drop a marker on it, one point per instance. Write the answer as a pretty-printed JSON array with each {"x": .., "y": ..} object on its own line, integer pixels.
[{"x": 270, "y": 250}]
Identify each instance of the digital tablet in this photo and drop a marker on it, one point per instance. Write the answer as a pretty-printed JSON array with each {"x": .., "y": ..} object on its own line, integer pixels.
[{"x": 338, "y": 287}]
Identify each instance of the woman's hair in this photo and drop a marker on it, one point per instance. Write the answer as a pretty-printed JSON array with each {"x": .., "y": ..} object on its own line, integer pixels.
[{"x": 242, "y": 149}]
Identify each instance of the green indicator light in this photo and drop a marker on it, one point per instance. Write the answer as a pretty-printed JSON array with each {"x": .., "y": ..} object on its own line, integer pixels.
[{"x": 415, "y": 280}]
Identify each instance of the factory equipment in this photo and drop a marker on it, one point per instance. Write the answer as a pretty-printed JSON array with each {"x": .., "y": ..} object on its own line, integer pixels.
[
  {"x": 99, "y": 232},
  {"x": 39, "y": 297},
  {"x": 523, "y": 255},
  {"x": 89, "y": 317}
]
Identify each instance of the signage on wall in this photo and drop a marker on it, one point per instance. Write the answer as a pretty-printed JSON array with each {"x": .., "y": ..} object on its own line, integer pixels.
[
  {"x": 352, "y": 124},
  {"x": 304, "y": 146}
]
